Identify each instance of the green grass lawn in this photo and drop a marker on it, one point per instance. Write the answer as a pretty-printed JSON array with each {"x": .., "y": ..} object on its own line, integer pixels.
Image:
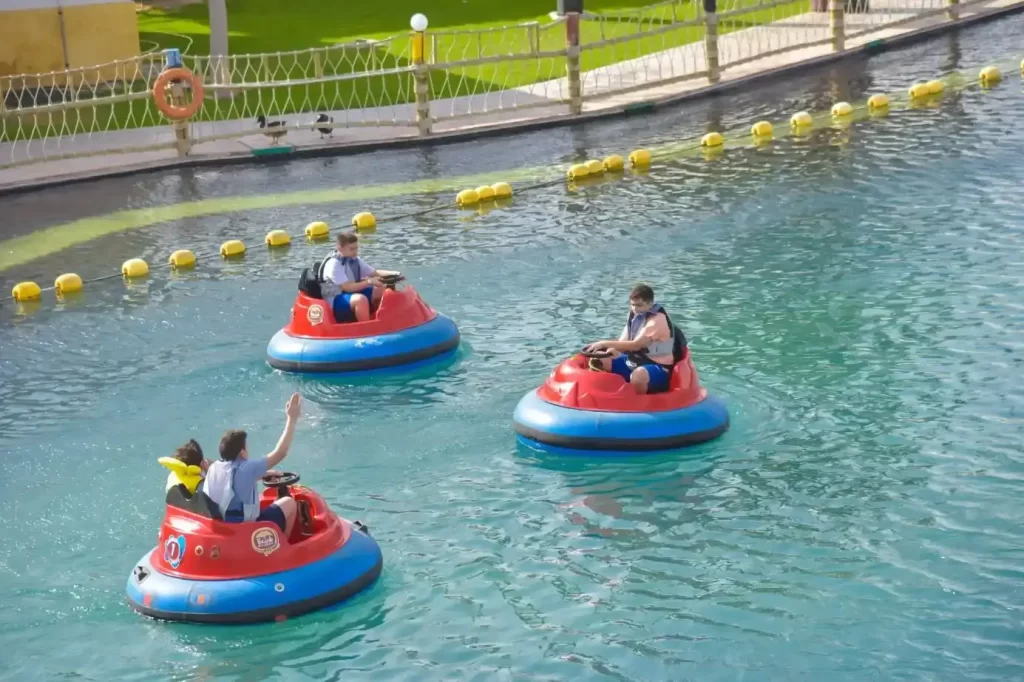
[
  {"x": 271, "y": 25},
  {"x": 455, "y": 34}
]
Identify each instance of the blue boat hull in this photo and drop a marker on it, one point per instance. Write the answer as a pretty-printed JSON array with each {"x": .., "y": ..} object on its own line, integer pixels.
[
  {"x": 334, "y": 578},
  {"x": 564, "y": 429},
  {"x": 408, "y": 346}
]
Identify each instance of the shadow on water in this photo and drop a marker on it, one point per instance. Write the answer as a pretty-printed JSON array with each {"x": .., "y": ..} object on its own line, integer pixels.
[
  {"x": 420, "y": 383},
  {"x": 635, "y": 493},
  {"x": 316, "y": 637}
]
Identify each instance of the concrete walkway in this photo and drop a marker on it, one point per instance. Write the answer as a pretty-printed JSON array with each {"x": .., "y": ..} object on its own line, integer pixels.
[{"x": 662, "y": 77}]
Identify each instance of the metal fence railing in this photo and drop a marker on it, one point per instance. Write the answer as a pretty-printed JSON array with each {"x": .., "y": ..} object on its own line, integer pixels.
[{"x": 430, "y": 81}]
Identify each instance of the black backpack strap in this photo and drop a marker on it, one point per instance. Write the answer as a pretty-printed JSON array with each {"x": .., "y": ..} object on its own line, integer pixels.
[{"x": 323, "y": 264}]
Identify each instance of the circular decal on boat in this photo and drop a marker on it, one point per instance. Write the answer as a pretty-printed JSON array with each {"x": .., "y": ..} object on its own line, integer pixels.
[
  {"x": 174, "y": 550},
  {"x": 315, "y": 314},
  {"x": 265, "y": 541}
]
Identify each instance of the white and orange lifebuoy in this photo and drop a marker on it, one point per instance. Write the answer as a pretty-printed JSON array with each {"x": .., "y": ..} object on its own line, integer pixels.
[{"x": 173, "y": 111}]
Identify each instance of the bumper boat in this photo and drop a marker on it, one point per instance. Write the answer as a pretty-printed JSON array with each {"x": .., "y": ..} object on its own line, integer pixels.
[
  {"x": 401, "y": 331},
  {"x": 578, "y": 410},
  {"x": 204, "y": 570}
]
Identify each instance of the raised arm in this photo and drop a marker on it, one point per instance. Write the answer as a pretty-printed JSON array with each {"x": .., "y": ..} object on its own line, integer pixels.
[{"x": 292, "y": 411}]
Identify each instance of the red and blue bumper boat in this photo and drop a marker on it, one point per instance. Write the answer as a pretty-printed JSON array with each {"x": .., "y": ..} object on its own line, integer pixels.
[
  {"x": 205, "y": 570},
  {"x": 402, "y": 331},
  {"x": 581, "y": 411}
]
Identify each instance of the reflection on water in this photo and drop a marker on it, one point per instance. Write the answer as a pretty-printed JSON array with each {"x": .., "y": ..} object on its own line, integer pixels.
[{"x": 431, "y": 381}]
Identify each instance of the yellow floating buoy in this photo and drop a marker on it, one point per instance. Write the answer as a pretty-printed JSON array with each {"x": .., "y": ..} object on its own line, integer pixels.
[
  {"x": 182, "y": 258},
  {"x": 232, "y": 247},
  {"x": 317, "y": 230},
  {"x": 801, "y": 119},
  {"x": 712, "y": 139},
  {"x": 935, "y": 87},
  {"x": 26, "y": 291},
  {"x": 595, "y": 167},
  {"x": 918, "y": 90},
  {"x": 990, "y": 75},
  {"x": 878, "y": 101},
  {"x": 639, "y": 158},
  {"x": 762, "y": 129},
  {"x": 277, "y": 238},
  {"x": 614, "y": 163},
  {"x": 841, "y": 109},
  {"x": 467, "y": 197},
  {"x": 135, "y": 267},
  {"x": 68, "y": 283},
  {"x": 485, "y": 192},
  {"x": 364, "y": 221},
  {"x": 578, "y": 170},
  {"x": 502, "y": 190}
]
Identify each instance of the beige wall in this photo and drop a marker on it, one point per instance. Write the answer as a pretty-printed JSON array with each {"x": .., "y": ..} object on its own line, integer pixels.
[{"x": 96, "y": 33}]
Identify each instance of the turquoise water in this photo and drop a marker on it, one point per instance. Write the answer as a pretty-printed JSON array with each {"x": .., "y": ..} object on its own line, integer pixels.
[{"x": 855, "y": 298}]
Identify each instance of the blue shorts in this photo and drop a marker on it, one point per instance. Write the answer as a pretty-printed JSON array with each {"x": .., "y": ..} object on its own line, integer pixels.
[
  {"x": 342, "y": 307},
  {"x": 273, "y": 513},
  {"x": 659, "y": 376}
]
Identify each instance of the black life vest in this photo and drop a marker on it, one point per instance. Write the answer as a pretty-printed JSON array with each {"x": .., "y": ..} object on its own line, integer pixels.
[{"x": 641, "y": 357}]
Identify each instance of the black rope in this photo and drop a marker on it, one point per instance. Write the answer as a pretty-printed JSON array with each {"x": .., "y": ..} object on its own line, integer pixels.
[{"x": 671, "y": 153}]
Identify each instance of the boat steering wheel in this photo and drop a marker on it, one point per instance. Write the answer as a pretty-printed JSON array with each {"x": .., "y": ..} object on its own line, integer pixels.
[
  {"x": 600, "y": 354},
  {"x": 390, "y": 281},
  {"x": 281, "y": 482}
]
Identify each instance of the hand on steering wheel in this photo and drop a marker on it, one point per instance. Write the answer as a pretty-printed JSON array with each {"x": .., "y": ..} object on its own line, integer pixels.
[
  {"x": 589, "y": 352},
  {"x": 390, "y": 280}
]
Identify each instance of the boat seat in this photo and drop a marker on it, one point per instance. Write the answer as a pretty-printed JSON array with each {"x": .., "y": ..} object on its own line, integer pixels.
[
  {"x": 200, "y": 503},
  {"x": 308, "y": 283},
  {"x": 681, "y": 377}
]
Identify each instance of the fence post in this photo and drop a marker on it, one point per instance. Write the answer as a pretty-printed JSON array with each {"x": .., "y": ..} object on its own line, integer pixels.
[
  {"x": 572, "y": 59},
  {"x": 836, "y": 28},
  {"x": 711, "y": 40},
  {"x": 953, "y": 12},
  {"x": 421, "y": 74}
]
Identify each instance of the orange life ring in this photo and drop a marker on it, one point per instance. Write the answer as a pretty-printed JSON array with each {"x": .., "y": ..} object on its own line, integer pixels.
[{"x": 172, "y": 111}]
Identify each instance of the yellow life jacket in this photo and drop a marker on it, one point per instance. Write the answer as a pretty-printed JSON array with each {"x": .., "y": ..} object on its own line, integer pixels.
[{"x": 188, "y": 475}]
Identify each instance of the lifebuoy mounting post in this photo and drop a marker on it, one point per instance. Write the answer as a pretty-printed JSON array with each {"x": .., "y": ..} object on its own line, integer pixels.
[{"x": 176, "y": 109}]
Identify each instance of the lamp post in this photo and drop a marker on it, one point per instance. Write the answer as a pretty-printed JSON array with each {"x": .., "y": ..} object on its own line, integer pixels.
[
  {"x": 421, "y": 75},
  {"x": 418, "y": 23}
]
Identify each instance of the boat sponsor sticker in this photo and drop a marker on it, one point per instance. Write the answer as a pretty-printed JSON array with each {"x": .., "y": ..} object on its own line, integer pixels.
[
  {"x": 174, "y": 550},
  {"x": 265, "y": 541},
  {"x": 315, "y": 315}
]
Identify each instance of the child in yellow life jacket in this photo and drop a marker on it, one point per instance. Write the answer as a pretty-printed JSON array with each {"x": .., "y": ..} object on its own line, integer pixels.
[{"x": 188, "y": 466}]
